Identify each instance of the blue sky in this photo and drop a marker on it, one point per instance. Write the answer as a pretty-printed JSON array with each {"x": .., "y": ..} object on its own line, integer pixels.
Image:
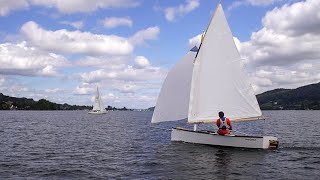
[{"x": 62, "y": 50}]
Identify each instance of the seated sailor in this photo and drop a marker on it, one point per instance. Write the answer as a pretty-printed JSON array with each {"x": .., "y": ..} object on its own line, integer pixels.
[{"x": 224, "y": 124}]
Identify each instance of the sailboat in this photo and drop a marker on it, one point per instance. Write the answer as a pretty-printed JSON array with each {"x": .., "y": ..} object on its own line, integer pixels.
[
  {"x": 98, "y": 107},
  {"x": 207, "y": 80}
]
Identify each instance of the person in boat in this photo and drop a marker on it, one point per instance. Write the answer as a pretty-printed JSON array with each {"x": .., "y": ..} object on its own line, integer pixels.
[{"x": 224, "y": 124}]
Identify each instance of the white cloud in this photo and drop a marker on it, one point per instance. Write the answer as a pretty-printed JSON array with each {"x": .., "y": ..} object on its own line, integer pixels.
[
  {"x": 128, "y": 73},
  {"x": 21, "y": 59},
  {"x": 288, "y": 42},
  {"x": 75, "y": 41},
  {"x": 53, "y": 90},
  {"x": 286, "y": 51},
  {"x": 123, "y": 80},
  {"x": 126, "y": 87},
  {"x": 10, "y": 87},
  {"x": 75, "y": 6},
  {"x": 75, "y": 24},
  {"x": 238, "y": 3},
  {"x": 123, "y": 92},
  {"x": 195, "y": 41},
  {"x": 141, "y": 62},
  {"x": 2, "y": 81},
  {"x": 6, "y": 6},
  {"x": 112, "y": 22},
  {"x": 271, "y": 77},
  {"x": 130, "y": 100},
  {"x": 141, "y": 100},
  {"x": 305, "y": 66},
  {"x": 84, "y": 89},
  {"x": 296, "y": 19},
  {"x": 150, "y": 33},
  {"x": 65, "y": 7},
  {"x": 260, "y": 2},
  {"x": 108, "y": 62},
  {"x": 171, "y": 13},
  {"x": 97, "y": 75}
]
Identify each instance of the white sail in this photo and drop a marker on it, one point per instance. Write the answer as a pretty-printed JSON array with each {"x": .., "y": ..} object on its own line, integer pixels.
[
  {"x": 96, "y": 105},
  {"x": 101, "y": 104},
  {"x": 218, "y": 82},
  {"x": 173, "y": 100}
]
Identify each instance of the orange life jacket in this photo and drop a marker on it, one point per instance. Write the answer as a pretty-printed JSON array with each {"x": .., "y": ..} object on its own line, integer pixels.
[{"x": 224, "y": 126}]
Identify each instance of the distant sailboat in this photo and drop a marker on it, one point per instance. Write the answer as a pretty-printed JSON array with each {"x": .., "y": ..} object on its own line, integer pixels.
[
  {"x": 206, "y": 82},
  {"x": 98, "y": 107}
]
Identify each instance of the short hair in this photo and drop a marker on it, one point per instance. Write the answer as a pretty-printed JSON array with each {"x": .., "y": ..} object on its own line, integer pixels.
[{"x": 221, "y": 114}]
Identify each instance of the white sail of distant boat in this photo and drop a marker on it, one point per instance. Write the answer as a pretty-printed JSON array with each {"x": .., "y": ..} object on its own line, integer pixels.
[
  {"x": 98, "y": 107},
  {"x": 203, "y": 84}
]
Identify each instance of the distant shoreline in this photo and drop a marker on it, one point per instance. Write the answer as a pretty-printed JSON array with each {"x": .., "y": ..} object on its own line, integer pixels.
[
  {"x": 14, "y": 103},
  {"x": 302, "y": 98}
]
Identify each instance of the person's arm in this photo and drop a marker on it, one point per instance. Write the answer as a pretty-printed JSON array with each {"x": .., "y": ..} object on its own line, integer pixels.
[
  {"x": 218, "y": 123},
  {"x": 230, "y": 125}
]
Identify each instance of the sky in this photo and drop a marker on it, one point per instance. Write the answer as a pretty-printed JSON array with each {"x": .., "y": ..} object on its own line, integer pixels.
[{"x": 62, "y": 50}]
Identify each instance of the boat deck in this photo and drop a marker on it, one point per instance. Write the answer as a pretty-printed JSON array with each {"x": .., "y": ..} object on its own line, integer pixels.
[{"x": 214, "y": 133}]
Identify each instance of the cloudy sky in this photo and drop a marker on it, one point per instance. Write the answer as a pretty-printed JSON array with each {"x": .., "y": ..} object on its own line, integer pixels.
[{"x": 62, "y": 50}]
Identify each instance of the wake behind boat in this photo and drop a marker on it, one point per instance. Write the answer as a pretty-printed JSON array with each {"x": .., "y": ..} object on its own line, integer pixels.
[
  {"x": 98, "y": 107},
  {"x": 208, "y": 80}
]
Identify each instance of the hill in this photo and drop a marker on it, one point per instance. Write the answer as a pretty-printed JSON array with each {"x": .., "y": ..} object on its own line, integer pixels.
[{"x": 302, "y": 98}]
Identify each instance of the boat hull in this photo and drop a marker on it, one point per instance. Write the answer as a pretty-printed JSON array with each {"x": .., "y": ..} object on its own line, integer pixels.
[
  {"x": 97, "y": 112},
  {"x": 210, "y": 138}
]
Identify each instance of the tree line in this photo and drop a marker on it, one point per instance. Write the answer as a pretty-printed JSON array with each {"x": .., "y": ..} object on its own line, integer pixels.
[{"x": 14, "y": 103}]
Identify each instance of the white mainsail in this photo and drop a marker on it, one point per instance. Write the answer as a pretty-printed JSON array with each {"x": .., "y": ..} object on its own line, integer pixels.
[
  {"x": 218, "y": 82},
  {"x": 173, "y": 100}
]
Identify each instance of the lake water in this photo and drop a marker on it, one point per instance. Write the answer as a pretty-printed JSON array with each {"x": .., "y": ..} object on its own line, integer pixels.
[{"x": 123, "y": 145}]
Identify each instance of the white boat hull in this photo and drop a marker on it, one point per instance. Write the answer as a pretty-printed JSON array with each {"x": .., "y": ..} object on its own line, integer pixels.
[
  {"x": 208, "y": 138},
  {"x": 97, "y": 112}
]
